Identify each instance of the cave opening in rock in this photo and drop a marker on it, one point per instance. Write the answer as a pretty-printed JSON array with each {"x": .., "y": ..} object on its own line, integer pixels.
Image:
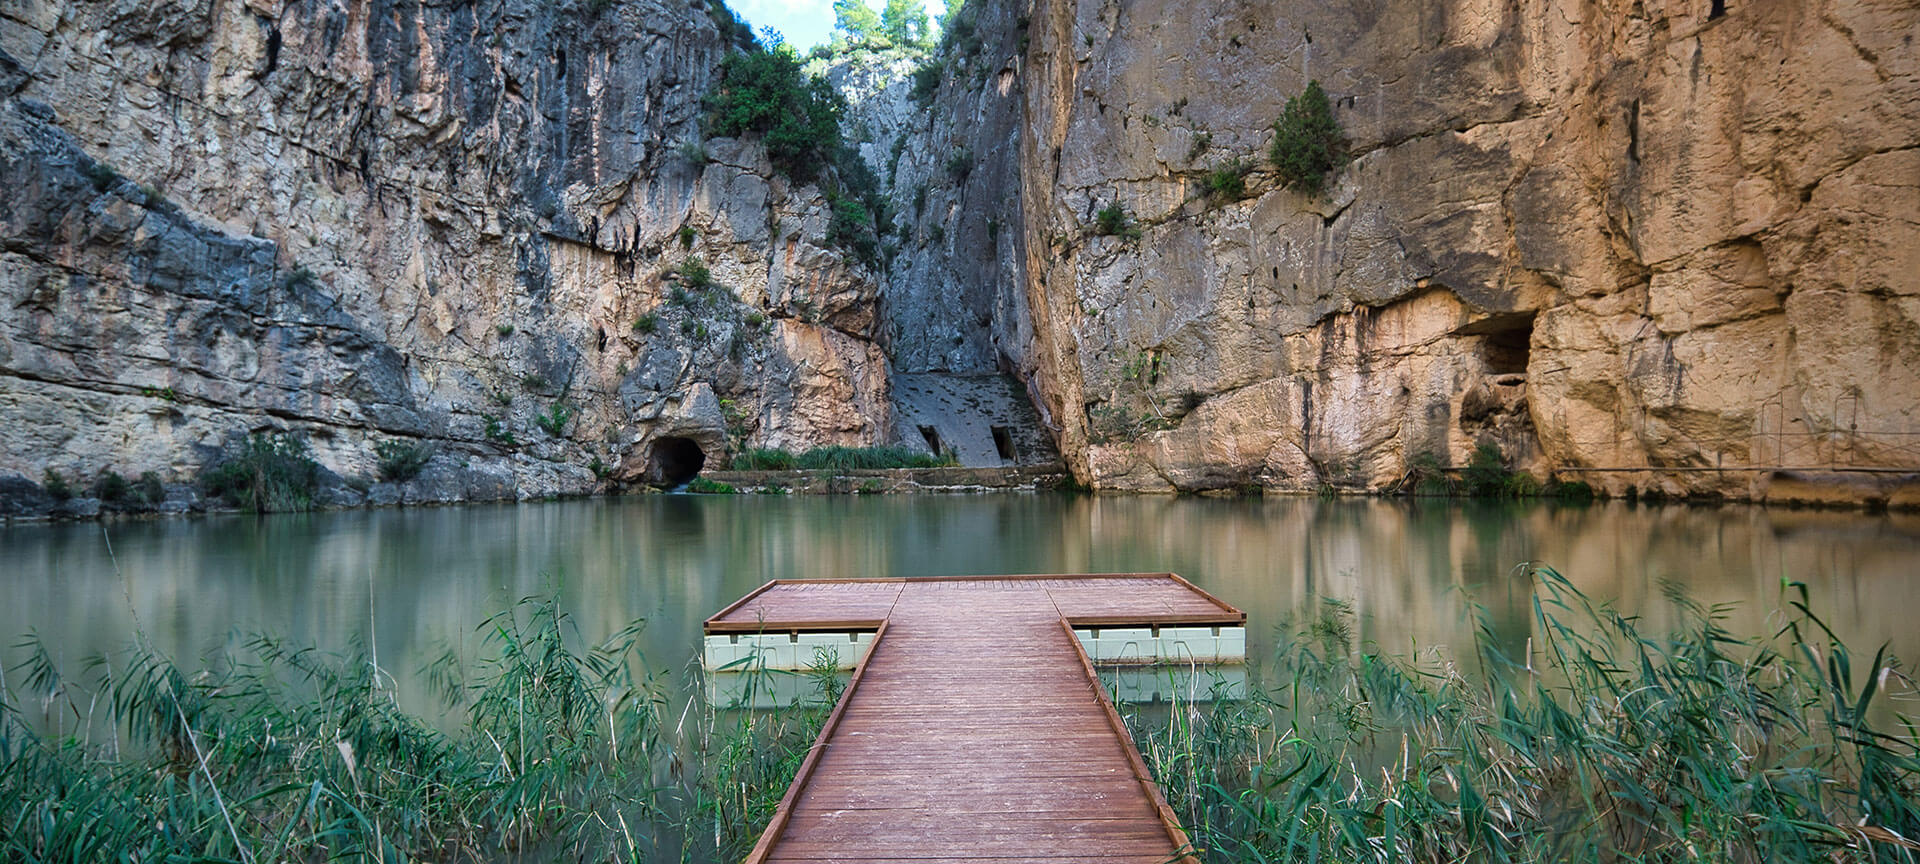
[
  {"x": 1507, "y": 349},
  {"x": 674, "y": 462},
  {"x": 932, "y": 437}
]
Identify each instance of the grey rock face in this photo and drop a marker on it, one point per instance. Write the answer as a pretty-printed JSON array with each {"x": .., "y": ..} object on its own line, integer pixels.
[
  {"x": 438, "y": 223},
  {"x": 1635, "y": 236}
]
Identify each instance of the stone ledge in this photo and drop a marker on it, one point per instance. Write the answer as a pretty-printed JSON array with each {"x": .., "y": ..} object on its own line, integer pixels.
[{"x": 857, "y": 481}]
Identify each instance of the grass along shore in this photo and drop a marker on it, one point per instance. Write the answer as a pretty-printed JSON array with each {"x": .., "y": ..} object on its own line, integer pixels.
[
  {"x": 568, "y": 752},
  {"x": 1604, "y": 744}
]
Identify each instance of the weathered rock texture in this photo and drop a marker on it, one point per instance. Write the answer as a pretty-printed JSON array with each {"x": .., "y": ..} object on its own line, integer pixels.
[
  {"x": 953, "y": 316},
  {"x": 363, "y": 219},
  {"x": 1680, "y": 238},
  {"x": 1667, "y": 235}
]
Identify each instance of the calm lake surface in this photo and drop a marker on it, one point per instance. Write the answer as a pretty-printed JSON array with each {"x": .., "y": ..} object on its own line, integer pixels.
[{"x": 414, "y": 582}]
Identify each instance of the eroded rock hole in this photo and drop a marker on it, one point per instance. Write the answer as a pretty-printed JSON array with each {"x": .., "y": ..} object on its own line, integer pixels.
[
  {"x": 674, "y": 462},
  {"x": 1717, "y": 9},
  {"x": 932, "y": 437},
  {"x": 1506, "y": 350}
]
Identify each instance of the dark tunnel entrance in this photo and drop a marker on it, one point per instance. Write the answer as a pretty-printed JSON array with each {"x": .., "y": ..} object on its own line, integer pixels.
[{"x": 674, "y": 462}]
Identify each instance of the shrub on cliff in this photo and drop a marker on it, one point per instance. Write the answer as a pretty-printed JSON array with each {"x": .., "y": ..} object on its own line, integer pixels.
[
  {"x": 401, "y": 461},
  {"x": 1112, "y": 221},
  {"x": 1307, "y": 144},
  {"x": 111, "y": 488},
  {"x": 797, "y": 116},
  {"x": 269, "y": 472},
  {"x": 926, "y": 79},
  {"x": 1487, "y": 476},
  {"x": 56, "y": 485},
  {"x": 1227, "y": 181},
  {"x": 852, "y": 229}
]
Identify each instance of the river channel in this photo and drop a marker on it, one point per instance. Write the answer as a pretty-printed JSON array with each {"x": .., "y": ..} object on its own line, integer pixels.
[{"x": 410, "y": 583}]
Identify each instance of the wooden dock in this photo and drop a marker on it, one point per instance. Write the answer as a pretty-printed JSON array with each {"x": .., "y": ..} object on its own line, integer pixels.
[{"x": 974, "y": 729}]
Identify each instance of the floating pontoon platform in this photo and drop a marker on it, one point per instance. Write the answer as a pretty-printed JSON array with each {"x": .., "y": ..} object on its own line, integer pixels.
[{"x": 975, "y": 726}]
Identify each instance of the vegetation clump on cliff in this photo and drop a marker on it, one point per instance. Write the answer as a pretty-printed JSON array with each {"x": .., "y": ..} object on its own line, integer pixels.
[
  {"x": 766, "y": 92},
  {"x": 400, "y": 461},
  {"x": 1112, "y": 221},
  {"x": 269, "y": 472},
  {"x": 1486, "y": 475},
  {"x": 1307, "y": 143},
  {"x": 901, "y": 23},
  {"x": 839, "y": 459},
  {"x": 797, "y": 116}
]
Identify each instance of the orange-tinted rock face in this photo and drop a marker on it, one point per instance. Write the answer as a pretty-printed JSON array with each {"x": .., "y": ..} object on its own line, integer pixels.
[{"x": 1614, "y": 236}]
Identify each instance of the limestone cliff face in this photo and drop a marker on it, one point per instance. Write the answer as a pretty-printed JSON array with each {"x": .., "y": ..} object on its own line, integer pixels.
[
  {"x": 1679, "y": 238},
  {"x": 952, "y": 302},
  {"x": 1665, "y": 235},
  {"x": 363, "y": 219}
]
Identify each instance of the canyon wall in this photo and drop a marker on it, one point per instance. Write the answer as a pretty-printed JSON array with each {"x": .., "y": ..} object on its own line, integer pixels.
[
  {"x": 1666, "y": 246},
  {"x": 462, "y": 225},
  {"x": 1673, "y": 236}
]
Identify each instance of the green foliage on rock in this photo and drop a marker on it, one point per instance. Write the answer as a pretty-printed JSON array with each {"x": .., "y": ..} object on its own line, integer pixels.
[
  {"x": 1227, "y": 181},
  {"x": 111, "y": 488},
  {"x": 730, "y": 26},
  {"x": 1113, "y": 221},
  {"x": 269, "y": 472},
  {"x": 695, "y": 274},
  {"x": 839, "y": 459},
  {"x": 855, "y": 19},
  {"x": 959, "y": 165},
  {"x": 148, "y": 490},
  {"x": 56, "y": 485},
  {"x": 400, "y": 461},
  {"x": 926, "y": 80},
  {"x": 1307, "y": 144},
  {"x": 797, "y": 116},
  {"x": 1487, "y": 476},
  {"x": 497, "y": 431},
  {"x": 851, "y": 228},
  {"x": 904, "y": 22},
  {"x": 554, "y": 420}
]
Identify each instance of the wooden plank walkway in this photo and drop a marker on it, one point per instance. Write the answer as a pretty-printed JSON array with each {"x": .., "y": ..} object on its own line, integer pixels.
[{"x": 974, "y": 729}]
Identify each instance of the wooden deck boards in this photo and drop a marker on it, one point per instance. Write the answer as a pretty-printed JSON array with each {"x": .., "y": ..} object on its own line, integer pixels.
[{"x": 974, "y": 729}]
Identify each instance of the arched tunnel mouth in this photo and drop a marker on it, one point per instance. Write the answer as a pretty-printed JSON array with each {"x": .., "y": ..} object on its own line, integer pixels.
[{"x": 674, "y": 462}]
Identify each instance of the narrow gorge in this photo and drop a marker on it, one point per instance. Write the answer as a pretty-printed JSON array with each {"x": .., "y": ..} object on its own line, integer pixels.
[{"x": 1668, "y": 248}]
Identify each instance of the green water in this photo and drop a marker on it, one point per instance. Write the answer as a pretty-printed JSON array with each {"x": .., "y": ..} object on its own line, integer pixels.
[{"x": 411, "y": 583}]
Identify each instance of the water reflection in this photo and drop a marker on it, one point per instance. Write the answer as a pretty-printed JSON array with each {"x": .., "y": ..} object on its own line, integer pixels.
[{"x": 407, "y": 583}]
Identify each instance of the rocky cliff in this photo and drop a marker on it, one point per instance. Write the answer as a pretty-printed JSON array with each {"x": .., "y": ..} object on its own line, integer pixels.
[
  {"x": 1669, "y": 246},
  {"x": 471, "y": 225},
  {"x": 1676, "y": 236}
]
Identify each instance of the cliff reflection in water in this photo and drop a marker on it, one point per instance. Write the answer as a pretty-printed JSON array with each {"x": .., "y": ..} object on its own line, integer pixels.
[{"x": 428, "y": 577}]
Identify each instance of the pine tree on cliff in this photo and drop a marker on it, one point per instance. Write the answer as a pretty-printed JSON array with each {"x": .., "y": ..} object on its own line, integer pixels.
[
  {"x": 856, "y": 19},
  {"x": 904, "y": 22},
  {"x": 1307, "y": 143}
]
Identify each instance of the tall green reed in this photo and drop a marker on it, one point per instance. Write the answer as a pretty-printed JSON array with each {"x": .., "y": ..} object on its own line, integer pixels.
[
  {"x": 567, "y": 751},
  {"x": 1604, "y": 743}
]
